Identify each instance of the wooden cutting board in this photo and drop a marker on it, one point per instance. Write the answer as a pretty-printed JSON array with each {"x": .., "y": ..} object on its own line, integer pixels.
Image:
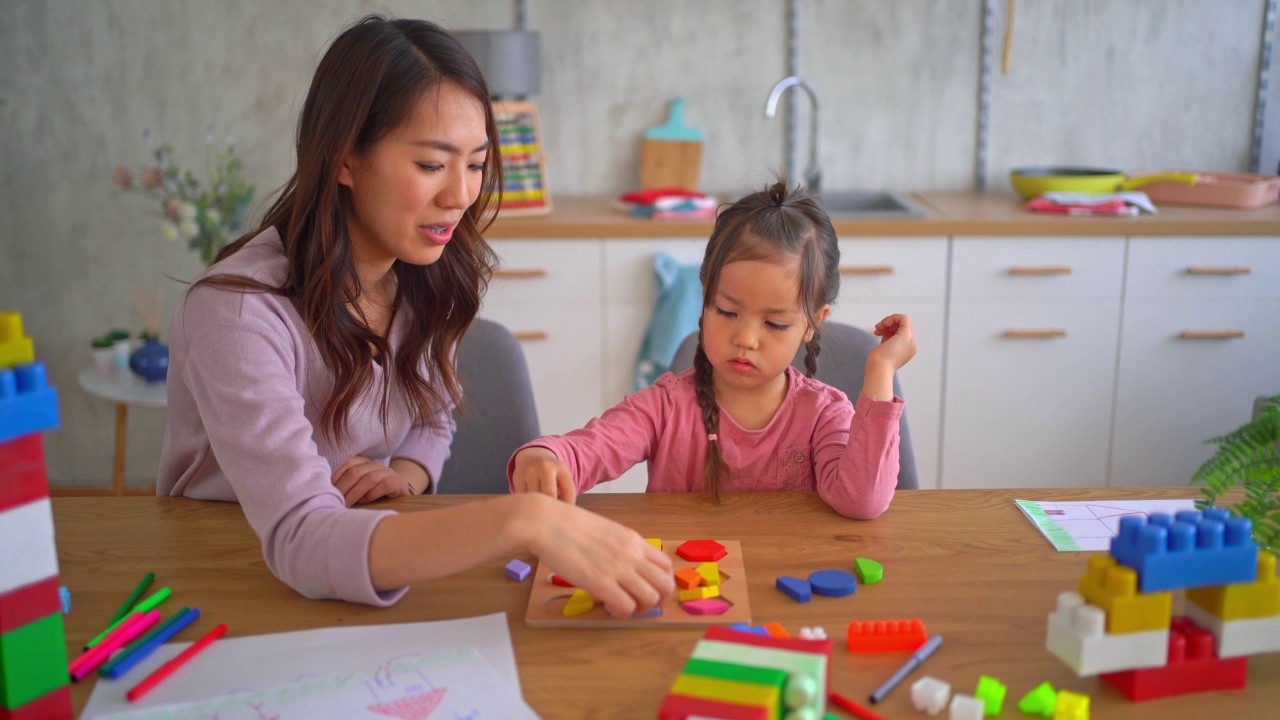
[{"x": 672, "y": 153}]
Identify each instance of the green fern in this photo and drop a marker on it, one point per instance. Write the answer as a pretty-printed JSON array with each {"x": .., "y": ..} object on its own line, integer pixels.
[{"x": 1248, "y": 456}]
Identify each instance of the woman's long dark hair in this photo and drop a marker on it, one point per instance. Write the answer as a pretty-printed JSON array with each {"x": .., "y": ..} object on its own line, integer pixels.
[
  {"x": 367, "y": 84},
  {"x": 775, "y": 223}
]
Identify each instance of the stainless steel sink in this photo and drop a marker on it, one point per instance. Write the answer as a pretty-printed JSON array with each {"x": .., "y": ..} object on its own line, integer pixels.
[{"x": 870, "y": 204}]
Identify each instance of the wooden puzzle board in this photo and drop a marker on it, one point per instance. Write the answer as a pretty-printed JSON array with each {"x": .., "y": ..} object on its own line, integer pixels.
[{"x": 546, "y": 601}]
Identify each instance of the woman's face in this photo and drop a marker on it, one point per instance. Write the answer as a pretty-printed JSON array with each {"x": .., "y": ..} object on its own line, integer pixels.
[{"x": 409, "y": 192}]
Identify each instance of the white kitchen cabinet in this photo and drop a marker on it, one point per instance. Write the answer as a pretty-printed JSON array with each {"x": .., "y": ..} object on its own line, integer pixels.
[
  {"x": 1200, "y": 340},
  {"x": 1031, "y": 358}
]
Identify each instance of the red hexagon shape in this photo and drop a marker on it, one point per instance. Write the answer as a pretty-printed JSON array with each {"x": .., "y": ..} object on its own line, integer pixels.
[{"x": 701, "y": 550}]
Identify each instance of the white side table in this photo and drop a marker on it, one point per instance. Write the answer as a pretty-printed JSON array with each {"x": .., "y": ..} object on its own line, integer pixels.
[{"x": 123, "y": 391}]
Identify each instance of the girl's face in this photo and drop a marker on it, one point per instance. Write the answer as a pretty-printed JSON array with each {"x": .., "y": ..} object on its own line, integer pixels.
[
  {"x": 755, "y": 325},
  {"x": 409, "y": 192}
]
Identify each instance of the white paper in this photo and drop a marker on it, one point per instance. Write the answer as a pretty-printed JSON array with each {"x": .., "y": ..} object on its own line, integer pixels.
[
  {"x": 1090, "y": 525},
  {"x": 258, "y": 662},
  {"x": 457, "y": 684}
]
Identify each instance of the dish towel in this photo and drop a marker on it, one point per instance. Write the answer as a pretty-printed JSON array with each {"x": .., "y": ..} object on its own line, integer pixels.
[{"x": 675, "y": 316}]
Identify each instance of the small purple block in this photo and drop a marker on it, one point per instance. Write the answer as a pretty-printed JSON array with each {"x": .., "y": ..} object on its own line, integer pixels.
[
  {"x": 518, "y": 570},
  {"x": 655, "y": 611}
]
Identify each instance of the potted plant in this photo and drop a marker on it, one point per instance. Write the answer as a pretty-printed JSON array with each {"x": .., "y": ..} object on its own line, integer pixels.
[
  {"x": 107, "y": 349},
  {"x": 1248, "y": 456}
]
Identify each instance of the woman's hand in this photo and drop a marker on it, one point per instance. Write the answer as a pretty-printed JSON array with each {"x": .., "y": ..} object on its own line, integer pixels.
[
  {"x": 361, "y": 480},
  {"x": 538, "y": 470}
]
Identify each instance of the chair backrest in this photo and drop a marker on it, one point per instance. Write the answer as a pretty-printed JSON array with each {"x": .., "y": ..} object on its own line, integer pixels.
[
  {"x": 499, "y": 414},
  {"x": 841, "y": 364}
]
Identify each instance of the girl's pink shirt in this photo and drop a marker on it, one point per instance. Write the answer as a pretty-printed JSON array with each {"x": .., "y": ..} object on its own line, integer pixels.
[{"x": 817, "y": 440}]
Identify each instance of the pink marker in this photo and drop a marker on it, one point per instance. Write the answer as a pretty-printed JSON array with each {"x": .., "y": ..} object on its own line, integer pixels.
[{"x": 90, "y": 661}]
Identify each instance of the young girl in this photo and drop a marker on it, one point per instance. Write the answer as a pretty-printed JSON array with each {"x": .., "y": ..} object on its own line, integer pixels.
[
  {"x": 742, "y": 418},
  {"x": 312, "y": 366}
]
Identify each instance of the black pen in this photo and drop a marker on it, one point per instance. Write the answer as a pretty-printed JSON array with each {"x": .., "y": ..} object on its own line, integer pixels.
[{"x": 916, "y": 658}]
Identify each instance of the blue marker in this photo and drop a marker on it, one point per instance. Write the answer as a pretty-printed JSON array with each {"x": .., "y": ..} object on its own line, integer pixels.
[
  {"x": 137, "y": 656},
  {"x": 917, "y": 657}
]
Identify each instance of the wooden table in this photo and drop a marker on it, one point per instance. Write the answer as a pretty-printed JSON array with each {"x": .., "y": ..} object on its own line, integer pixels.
[{"x": 965, "y": 561}]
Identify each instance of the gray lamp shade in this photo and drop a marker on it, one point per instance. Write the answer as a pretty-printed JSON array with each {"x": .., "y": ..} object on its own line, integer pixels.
[{"x": 509, "y": 59}]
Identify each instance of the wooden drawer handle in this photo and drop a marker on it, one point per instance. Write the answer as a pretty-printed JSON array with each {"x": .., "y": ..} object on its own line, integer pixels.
[
  {"x": 1035, "y": 334},
  {"x": 530, "y": 335},
  {"x": 866, "y": 269},
  {"x": 1211, "y": 334},
  {"x": 1040, "y": 270},
  {"x": 519, "y": 273},
  {"x": 1225, "y": 270}
]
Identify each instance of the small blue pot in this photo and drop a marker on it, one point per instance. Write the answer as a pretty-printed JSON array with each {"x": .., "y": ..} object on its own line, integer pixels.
[{"x": 151, "y": 361}]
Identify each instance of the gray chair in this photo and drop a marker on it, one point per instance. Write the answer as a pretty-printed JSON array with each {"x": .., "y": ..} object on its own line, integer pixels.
[
  {"x": 499, "y": 414},
  {"x": 841, "y": 364}
]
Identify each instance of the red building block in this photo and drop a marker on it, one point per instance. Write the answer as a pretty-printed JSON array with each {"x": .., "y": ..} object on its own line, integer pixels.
[
  {"x": 701, "y": 550},
  {"x": 1193, "y": 667},
  {"x": 679, "y": 707},
  {"x": 54, "y": 705},
  {"x": 885, "y": 635},
  {"x": 29, "y": 603},
  {"x": 22, "y": 474}
]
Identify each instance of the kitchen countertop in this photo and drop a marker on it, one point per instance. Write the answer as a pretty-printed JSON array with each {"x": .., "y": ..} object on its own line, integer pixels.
[{"x": 950, "y": 213}]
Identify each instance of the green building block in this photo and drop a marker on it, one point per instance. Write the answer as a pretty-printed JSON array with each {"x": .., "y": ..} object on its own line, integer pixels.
[
  {"x": 33, "y": 661},
  {"x": 868, "y": 570},
  {"x": 991, "y": 693},
  {"x": 733, "y": 671},
  {"x": 1039, "y": 701}
]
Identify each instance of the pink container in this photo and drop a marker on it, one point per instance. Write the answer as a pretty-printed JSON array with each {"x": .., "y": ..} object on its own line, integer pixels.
[{"x": 1234, "y": 190}]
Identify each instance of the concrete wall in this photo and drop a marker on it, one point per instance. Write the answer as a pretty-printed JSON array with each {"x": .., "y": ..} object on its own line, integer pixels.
[{"x": 1132, "y": 84}]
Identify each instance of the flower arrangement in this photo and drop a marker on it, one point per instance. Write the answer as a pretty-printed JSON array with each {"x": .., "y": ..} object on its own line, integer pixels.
[{"x": 205, "y": 216}]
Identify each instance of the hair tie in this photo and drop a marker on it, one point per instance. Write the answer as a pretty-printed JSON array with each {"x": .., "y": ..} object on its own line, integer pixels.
[{"x": 711, "y": 437}]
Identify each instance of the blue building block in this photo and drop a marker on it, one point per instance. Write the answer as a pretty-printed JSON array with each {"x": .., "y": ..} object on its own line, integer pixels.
[
  {"x": 795, "y": 588},
  {"x": 27, "y": 403},
  {"x": 64, "y": 595},
  {"x": 1191, "y": 549},
  {"x": 743, "y": 627}
]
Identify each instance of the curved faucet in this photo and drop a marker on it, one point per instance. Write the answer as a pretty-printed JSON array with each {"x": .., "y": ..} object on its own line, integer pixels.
[{"x": 812, "y": 175}]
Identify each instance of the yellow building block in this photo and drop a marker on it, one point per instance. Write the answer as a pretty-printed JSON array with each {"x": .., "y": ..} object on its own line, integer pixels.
[
  {"x": 700, "y": 593},
  {"x": 656, "y": 542},
  {"x": 741, "y": 693},
  {"x": 15, "y": 348},
  {"x": 580, "y": 603},
  {"x": 10, "y": 326},
  {"x": 1114, "y": 588},
  {"x": 1071, "y": 706},
  {"x": 1257, "y": 599},
  {"x": 710, "y": 573}
]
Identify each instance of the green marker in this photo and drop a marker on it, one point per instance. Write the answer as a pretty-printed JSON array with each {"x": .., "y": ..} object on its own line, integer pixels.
[
  {"x": 155, "y": 599},
  {"x": 133, "y": 597}
]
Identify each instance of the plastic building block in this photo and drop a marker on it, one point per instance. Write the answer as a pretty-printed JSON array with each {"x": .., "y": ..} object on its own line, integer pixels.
[
  {"x": 517, "y": 570},
  {"x": 965, "y": 707},
  {"x": 33, "y": 661},
  {"x": 798, "y": 658},
  {"x": 710, "y": 573},
  {"x": 1193, "y": 667},
  {"x": 741, "y": 693},
  {"x": 930, "y": 695},
  {"x": 708, "y": 606},
  {"x": 29, "y": 603},
  {"x": 15, "y": 347},
  {"x": 753, "y": 674},
  {"x": 1076, "y": 636},
  {"x": 885, "y": 635},
  {"x": 1071, "y": 706},
  {"x": 557, "y": 580},
  {"x": 743, "y": 627},
  {"x": 22, "y": 475},
  {"x": 699, "y": 593},
  {"x": 991, "y": 692},
  {"x": 701, "y": 550},
  {"x": 813, "y": 633},
  {"x": 27, "y": 403},
  {"x": 795, "y": 588},
  {"x": 656, "y": 542},
  {"x": 1114, "y": 588},
  {"x": 776, "y": 630},
  {"x": 1191, "y": 549},
  {"x": 687, "y": 577},
  {"x": 580, "y": 603},
  {"x": 682, "y": 707},
  {"x": 64, "y": 596},
  {"x": 1260, "y": 598},
  {"x": 50, "y": 706},
  {"x": 26, "y": 534},
  {"x": 1235, "y": 638},
  {"x": 833, "y": 583},
  {"x": 1040, "y": 701},
  {"x": 869, "y": 571}
]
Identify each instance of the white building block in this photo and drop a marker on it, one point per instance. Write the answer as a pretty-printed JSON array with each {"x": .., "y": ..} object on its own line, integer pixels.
[
  {"x": 966, "y": 707},
  {"x": 1234, "y": 638},
  {"x": 813, "y": 633},
  {"x": 1077, "y": 634},
  {"x": 26, "y": 537},
  {"x": 930, "y": 695}
]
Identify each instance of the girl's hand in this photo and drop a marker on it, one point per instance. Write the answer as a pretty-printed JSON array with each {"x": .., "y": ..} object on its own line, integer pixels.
[
  {"x": 361, "y": 480},
  {"x": 538, "y": 470},
  {"x": 897, "y": 342}
]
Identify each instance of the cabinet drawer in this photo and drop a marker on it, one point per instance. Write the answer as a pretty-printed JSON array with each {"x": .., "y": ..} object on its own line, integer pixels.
[
  {"x": 1204, "y": 268},
  {"x": 1036, "y": 268},
  {"x": 532, "y": 272},
  {"x": 893, "y": 268}
]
